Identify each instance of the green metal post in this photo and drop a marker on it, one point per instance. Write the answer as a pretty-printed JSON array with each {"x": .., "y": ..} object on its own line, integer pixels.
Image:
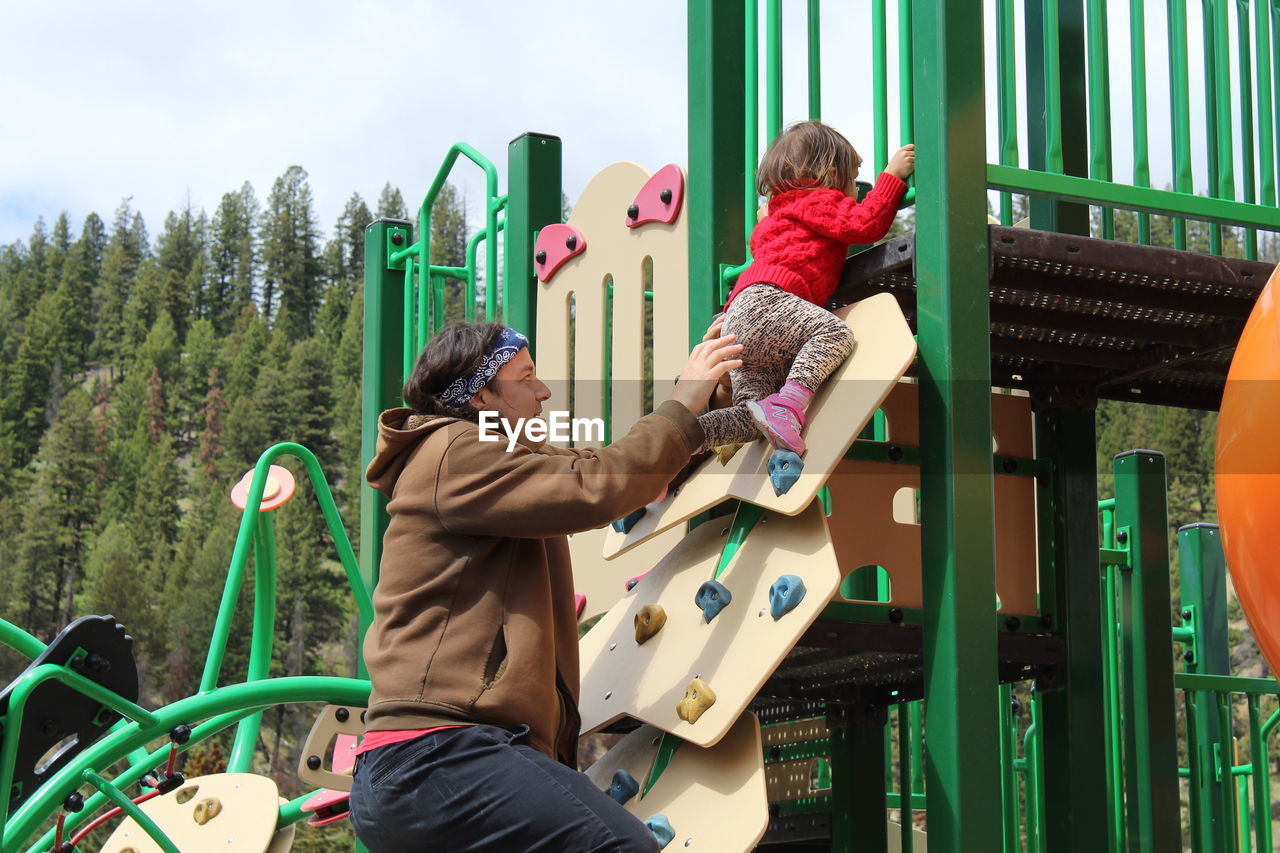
[
  {"x": 958, "y": 540},
  {"x": 1056, "y": 110},
  {"x": 1138, "y": 82},
  {"x": 381, "y": 377},
  {"x": 1008, "y": 773},
  {"x": 773, "y": 68},
  {"x": 857, "y": 792},
  {"x": 533, "y": 201},
  {"x": 1261, "y": 775},
  {"x": 1203, "y": 573},
  {"x": 906, "y": 79},
  {"x": 1151, "y": 778},
  {"x": 1266, "y": 135},
  {"x": 879, "y": 83},
  {"x": 1100, "y": 105},
  {"x": 815, "y": 60},
  {"x": 1213, "y": 103},
  {"x": 1245, "y": 83},
  {"x": 1073, "y": 733},
  {"x": 1179, "y": 109},
  {"x": 1007, "y": 87},
  {"x": 716, "y": 175}
]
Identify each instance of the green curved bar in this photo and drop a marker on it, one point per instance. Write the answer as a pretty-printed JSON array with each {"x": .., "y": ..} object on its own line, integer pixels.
[
  {"x": 24, "y": 643},
  {"x": 240, "y": 555},
  {"x": 130, "y": 808},
  {"x": 253, "y": 696}
]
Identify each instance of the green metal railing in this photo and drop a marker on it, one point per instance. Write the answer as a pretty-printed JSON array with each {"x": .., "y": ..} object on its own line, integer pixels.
[
  {"x": 1247, "y": 199},
  {"x": 424, "y": 291}
]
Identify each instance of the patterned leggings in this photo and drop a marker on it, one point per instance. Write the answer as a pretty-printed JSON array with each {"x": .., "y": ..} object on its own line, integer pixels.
[{"x": 783, "y": 337}]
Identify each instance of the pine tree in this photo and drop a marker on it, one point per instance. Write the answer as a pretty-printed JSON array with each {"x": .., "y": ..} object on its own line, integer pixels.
[
  {"x": 344, "y": 257},
  {"x": 391, "y": 204},
  {"x": 449, "y": 246},
  {"x": 33, "y": 381},
  {"x": 181, "y": 253},
  {"x": 125, "y": 252},
  {"x": 291, "y": 262},
  {"x": 233, "y": 258},
  {"x": 202, "y": 356}
]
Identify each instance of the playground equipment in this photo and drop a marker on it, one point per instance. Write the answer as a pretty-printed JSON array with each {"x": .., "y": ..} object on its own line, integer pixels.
[{"x": 963, "y": 518}]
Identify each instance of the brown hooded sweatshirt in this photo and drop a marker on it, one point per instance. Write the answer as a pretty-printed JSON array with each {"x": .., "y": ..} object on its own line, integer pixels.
[{"x": 474, "y": 617}]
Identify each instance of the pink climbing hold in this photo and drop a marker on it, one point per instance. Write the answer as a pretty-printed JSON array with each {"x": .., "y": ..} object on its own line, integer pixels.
[
  {"x": 556, "y": 244},
  {"x": 276, "y": 493},
  {"x": 579, "y": 603},
  {"x": 631, "y": 582},
  {"x": 659, "y": 199}
]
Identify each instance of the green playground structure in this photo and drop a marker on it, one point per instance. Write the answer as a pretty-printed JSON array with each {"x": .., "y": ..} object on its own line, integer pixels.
[{"x": 1054, "y": 727}]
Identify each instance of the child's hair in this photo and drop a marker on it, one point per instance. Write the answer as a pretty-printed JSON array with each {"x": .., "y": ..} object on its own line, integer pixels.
[{"x": 807, "y": 152}]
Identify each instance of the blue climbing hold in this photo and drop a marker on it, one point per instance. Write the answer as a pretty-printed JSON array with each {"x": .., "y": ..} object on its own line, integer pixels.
[
  {"x": 712, "y": 597},
  {"x": 661, "y": 828},
  {"x": 785, "y": 468},
  {"x": 784, "y": 594},
  {"x": 624, "y": 524},
  {"x": 624, "y": 787}
]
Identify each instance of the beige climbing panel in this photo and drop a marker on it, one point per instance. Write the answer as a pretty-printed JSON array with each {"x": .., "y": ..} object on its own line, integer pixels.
[
  {"x": 603, "y": 581},
  {"x": 873, "y": 506},
  {"x": 883, "y": 349},
  {"x": 244, "y": 808},
  {"x": 337, "y": 755},
  {"x": 733, "y": 654},
  {"x": 282, "y": 841},
  {"x": 620, "y": 257},
  {"x": 714, "y": 797}
]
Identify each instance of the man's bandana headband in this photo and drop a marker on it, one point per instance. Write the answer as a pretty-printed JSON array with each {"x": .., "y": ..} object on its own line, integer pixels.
[{"x": 461, "y": 390}]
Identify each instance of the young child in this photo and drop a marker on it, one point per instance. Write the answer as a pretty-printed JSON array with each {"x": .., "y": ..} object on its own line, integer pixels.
[{"x": 791, "y": 342}]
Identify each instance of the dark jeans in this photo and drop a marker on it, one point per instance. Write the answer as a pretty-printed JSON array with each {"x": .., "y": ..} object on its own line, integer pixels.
[{"x": 483, "y": 788}]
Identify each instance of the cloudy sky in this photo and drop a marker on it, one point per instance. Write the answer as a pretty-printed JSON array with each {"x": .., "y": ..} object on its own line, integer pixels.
[{"x": 170, "y": 102}]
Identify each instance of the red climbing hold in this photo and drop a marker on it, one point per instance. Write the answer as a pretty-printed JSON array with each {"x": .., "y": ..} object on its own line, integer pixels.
[
  {"x": 659, "y": 199},
  {"x": 556, "y": 244}
]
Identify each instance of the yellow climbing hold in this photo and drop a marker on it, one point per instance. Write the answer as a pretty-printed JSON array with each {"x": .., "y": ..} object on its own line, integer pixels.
[
  {"x": 698, "y": 697},
  {"x": 649, "y": 621},
  {"x": 207, "y": 809}
]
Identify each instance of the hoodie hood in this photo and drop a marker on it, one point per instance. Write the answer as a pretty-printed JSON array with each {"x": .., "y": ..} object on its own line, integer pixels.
[{"x": 399, "y": 432}]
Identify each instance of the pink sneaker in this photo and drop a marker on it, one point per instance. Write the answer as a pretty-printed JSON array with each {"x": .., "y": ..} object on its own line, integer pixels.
[{"x": 780, "y": 422}]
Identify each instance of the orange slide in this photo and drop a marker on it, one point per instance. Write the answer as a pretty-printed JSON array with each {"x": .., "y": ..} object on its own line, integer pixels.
[{"x": 1247, "y": 470}]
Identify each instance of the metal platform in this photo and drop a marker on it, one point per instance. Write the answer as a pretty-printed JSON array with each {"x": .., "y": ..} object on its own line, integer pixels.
[{"x": 1074, "y": 319}]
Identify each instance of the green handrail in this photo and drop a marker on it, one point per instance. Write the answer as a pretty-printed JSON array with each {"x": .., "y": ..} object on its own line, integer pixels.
[
  {"x": 815, "y": 60},
  {"x": 773, "y": 69},
  {"x": 1138, "y": 92},
  {"x": 879, "y": 83},
  {"x": 131, "y": 809},
  {"x": 1007, "y": 97},
  {"x": 1099, "y": 80}
]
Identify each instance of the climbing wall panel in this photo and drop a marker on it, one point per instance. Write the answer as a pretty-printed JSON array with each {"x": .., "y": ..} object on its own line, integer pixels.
[
  {"x": 603, "y": 581},
  {"x": 733, "y": 654},
  {"x": 884, "y": 348},
  {"x": 714, "y": 798}
]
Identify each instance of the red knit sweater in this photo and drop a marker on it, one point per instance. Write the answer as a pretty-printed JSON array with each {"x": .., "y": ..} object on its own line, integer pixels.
[{"x": 801, "y": 245}]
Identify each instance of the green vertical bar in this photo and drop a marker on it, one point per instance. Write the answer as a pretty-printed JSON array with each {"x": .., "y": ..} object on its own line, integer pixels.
[
  {"x": 1100, "y": 105},
  {"x": 773, "y": 68},
  {"x": 1266, "y": 135},
  {"x": 1222, "y": 68},
  {"x": 1072, "y": 718},
  {"x": 1211, "y": 110},
  {"x": 906, "y": 79},
  {"x": 1179, "y": 109},
  {"x": 958, "y": 548},
  {"x": 381, "y": 379},
  {"x": 1057, "y": 116},
  {"x": 1007, "y": 83},
  {"x": 1008, "y": 774},
  {"x": 1203, "y": 580},
  {"x": 1245, "y": 77},
  {"x": 533, "y": 201},
  {"x": 857, "y": 792},
  {"x": 1271, "y": 108},
  {"x": 1226, "y": 781},
  {"x": 815, "y": 60},
  {"x": 1111, "y": 680},
  {"x": 1261, "y": 776},
  {"x": 716, "y": 116},
  {"x": 905, "y": 768},
  {"x": 751, "y": 124},
  {"x": 880, "y": 83},
  {"x": 1138, "y": 80},
  {"x": 1151, "y": 742}
]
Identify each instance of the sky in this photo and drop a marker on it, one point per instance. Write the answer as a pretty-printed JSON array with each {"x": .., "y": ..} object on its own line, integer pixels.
[{"x": 177, "y": 103}]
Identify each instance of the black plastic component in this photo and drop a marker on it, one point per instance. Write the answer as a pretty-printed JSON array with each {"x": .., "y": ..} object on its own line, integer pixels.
[
  {"x": 1013, "y": 623},
  {"x": 313, "y": 762},
  {"x": 180, "y": 734},
  {"x": 571, "y": 242},
  {"x": 74, "y": 802},
  {"x": 894, "y": 453},
  {"x": 665, "y": 195},
  {"x": 397, "y": 238},
  {"x": 895, "y": 615},
  {"x": 633, "y": 211},
  {"x": 540, "y": 256},
  {"x": 58, "y": 721},
  {"x": 342, "y": 714}
]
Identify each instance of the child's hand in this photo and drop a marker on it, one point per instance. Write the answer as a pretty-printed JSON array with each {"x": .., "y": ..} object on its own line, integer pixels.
[{"x": 903, "y": 162}]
